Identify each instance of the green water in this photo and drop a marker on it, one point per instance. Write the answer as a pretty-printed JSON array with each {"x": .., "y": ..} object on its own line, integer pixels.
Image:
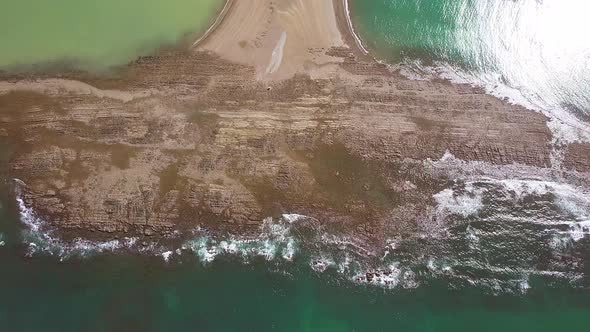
[
  {"x": 476, "y": 278},
  {"x": 140, "y": 292},
  {"x": 119, "y": 293},
  {"x": 535, "y": 52},
  {"x": 90, "y": 34},
  {"x": 129, "y": 293}
]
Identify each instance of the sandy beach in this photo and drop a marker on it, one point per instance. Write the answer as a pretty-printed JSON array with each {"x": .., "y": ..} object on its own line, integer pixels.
[
  {"x": 253, "y": 30},
  {"x": 278, "y": 109}
]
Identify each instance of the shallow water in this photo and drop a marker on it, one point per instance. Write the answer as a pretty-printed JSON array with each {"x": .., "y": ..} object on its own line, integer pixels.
[
  {"x": 122, "y": 293},
  {"x": 515, "y": 258},
  {"x": 515, "y": 255},
  {"x": 143, "y": 293},
  {"x": 538, "y": 48},
  {"x": 94, "y": 34}
]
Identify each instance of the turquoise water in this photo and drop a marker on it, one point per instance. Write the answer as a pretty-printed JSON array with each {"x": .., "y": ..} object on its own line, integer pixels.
[
  {"x": 520, "y": 264},
  {"x": 142, "y": 293},
  {"x": 536, "y": 52},
  {"x": 129, "y": 291}
]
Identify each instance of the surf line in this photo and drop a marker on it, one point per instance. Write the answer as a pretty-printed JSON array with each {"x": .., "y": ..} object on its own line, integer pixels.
[
  {"x": 351, "y": 28},
  {"x": 215, "y": 24}
]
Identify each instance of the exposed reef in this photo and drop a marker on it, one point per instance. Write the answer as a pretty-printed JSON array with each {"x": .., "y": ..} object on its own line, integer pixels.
[{"x": 276, "y": 111}]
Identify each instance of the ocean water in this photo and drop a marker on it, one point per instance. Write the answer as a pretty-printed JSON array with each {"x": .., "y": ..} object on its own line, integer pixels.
[
  {"x": 121, "y": 293},
  {"x": 515, "y": 259},
  {"x": 130, "y": 292},
  {"x": 536, "y": 53},
  {"x": 515, "y": 255},
  {"x": 94, "y": 35}
]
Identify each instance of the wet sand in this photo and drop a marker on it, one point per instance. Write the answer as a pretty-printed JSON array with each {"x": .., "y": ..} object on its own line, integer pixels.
[
  {"x": 278, "y": 110},
  {"x": 254, "y": 30}
]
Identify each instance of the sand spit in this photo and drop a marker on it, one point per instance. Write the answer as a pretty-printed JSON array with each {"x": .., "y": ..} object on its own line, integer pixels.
[
  {"x": 252, "y": 29},
  {"x": 277, "y": 111}
]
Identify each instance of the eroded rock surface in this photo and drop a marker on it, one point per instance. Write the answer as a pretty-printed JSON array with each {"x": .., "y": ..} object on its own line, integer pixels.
[{"x": 191, "y": 139}]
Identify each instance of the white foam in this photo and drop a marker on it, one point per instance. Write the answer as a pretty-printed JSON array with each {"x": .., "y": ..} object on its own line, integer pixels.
[
  {"x": 521, "y": 271},
  {"x": 579, "y": 230},
  {"x": 524, "y": 286},
  {"x": 521, "y": 188},
  {"x": 274, "y": 241},
  {"x": 278, "y": 240},
  {"x": 569, "y": 199},
  {"x": 467, "y": 204},
  {"x": 392, "y": 276},
  {"x": 203, "y": 248},
  {"x": 291, "y": 218},
  {"x": 472, "y": 236},
  {"x": 448, "y": 156},
  {"x": 572, "y": 201},
  {"x": 450, "y": 167},
  {"x": 290, "y": 250},
  {"x": 230, "y": 247},
  {"x": 130, "y": 241},
  {"x": 560, "y": 242},
  {"x": 344, "y": 266},
  {"x": 566, "y": 128},
  {"x": 41, "y": 239},
  {"x": 322, "y": 263},
  {"x": 166, "y": 255},
  {"x": 351, "y": 28}
]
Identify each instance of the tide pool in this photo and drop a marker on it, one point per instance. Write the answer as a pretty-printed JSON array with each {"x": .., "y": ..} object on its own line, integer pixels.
[{"x": 95, "y": 35}]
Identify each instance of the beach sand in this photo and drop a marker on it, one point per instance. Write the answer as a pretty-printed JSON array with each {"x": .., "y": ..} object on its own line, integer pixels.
[
  {"x": 252, "y": 30},
  {"x": 277, "y": 110}
]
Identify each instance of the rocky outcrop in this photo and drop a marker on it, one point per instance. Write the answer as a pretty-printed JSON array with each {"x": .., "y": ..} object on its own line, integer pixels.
[{"x": 191, "y": 139}]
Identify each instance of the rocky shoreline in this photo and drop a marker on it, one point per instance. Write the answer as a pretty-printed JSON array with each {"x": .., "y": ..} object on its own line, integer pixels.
[{"x": 242, "y": 127}]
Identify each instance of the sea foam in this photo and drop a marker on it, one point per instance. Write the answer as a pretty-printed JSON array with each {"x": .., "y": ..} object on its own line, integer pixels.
[
  {"x": 282, "y": 240},
  {"x": 466, "y": 200},
  {"x": 566, "y": 127},
  {"x": 275, "y": 240}
]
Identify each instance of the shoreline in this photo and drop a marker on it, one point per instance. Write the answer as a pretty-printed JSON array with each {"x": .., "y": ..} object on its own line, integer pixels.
[
  {"x": 223, "y": 143},
  {"x": 567, "y": 128},
  {"x": 352, "y": 31},
  {"x": 220, "y": 17}
]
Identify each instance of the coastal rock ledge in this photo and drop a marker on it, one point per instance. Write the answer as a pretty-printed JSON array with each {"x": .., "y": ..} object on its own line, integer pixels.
[{"x": 277, "y": 110}]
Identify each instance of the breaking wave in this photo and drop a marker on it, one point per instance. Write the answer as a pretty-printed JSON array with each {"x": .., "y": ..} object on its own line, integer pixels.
[
  {"x": 528, "y": 52},
  {"x": 570, "y": 206},
  {"x": 500, "y": 234},
  {"x": 564, "y": 125}
]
